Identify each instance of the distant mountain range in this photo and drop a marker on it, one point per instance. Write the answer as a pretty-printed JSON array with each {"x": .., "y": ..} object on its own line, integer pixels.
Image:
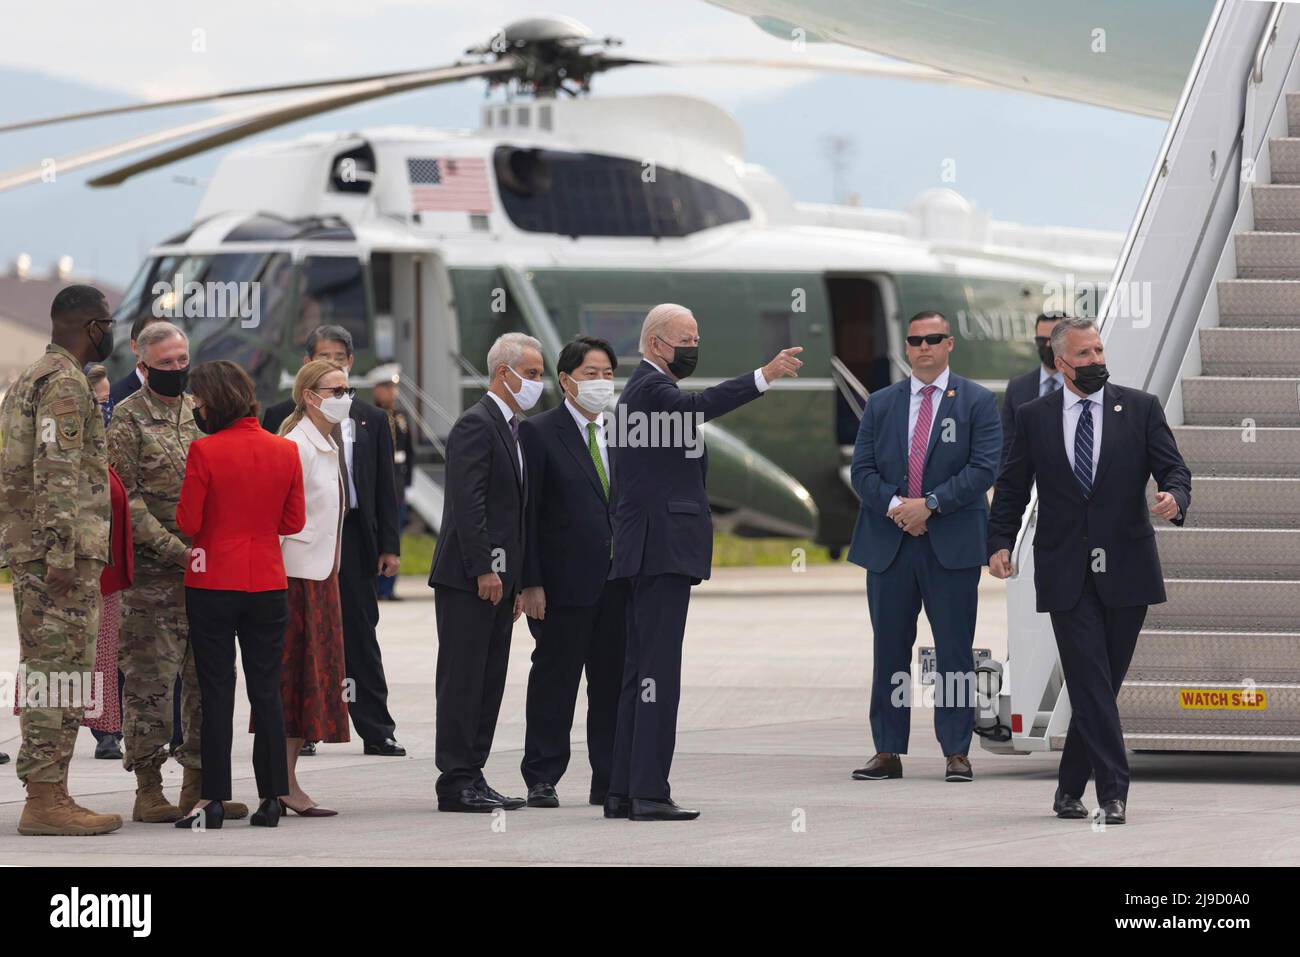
[{"x": 1024, "y": 158}]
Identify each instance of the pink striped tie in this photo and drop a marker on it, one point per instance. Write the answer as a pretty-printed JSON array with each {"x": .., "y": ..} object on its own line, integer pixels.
[{"x": 920, "y": 442}]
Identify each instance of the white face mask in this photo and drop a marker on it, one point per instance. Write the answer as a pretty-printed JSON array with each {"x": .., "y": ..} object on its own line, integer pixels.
[
  {"x": 594, "y": 395},
  {"x": 530, "y": 390},
  {"x": 335, "y": 408}
]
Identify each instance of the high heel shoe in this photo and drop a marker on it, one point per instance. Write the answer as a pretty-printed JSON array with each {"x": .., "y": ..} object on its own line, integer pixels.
[
  {"x": 267, "y": 813},
  {"x": 314, "y": 811},
  {"x": 213, "y": 814}
]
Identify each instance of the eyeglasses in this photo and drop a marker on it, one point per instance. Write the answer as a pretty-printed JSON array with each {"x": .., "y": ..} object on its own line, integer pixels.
[
  {"x": 339, "y": 391},
  {"x": 933, "y": 339},
  {"x": 1041, "y": 341}
]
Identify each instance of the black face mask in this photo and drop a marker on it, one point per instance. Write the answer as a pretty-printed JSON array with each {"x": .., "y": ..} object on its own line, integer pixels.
[
  {"x": 104, "y": 347},
  {"x": 685, "y": 358},
  {"x": 201, "y": 423},
  {"x": 1045, "y": 355},
  {"x": 1088, "y": 379},
  {"x": 168, "y": 382}
]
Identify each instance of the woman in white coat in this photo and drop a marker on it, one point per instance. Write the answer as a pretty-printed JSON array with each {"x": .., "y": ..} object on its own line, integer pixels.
[{"x": 313, "y": 676}]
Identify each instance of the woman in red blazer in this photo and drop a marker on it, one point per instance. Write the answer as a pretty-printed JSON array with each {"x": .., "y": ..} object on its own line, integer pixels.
[{"x": 242, "y": 491}]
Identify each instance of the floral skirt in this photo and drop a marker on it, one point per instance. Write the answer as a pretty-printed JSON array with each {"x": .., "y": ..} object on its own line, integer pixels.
[{"x": 313, "y": 673}]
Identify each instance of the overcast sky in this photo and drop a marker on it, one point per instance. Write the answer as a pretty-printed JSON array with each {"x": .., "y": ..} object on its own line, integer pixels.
[{"x": 1022, "y": 157}]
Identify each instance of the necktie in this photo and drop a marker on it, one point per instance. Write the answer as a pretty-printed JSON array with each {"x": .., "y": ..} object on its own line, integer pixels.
[
  {"x": 343, "y": 464},
  {"x": 1083, "y": 447},
  {"x": 1050, "y": 386},
  {"x": 514, "y": 432},
  {"x": 920, "y": 442},
  {"x": 594, "y": 450}
]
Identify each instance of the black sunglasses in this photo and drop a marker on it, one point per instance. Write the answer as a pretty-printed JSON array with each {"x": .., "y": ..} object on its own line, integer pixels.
[
  {"x": 339, "y": 391},
  {"x": 933, "y": 339},
  {"x": 1042, "y": 340}
]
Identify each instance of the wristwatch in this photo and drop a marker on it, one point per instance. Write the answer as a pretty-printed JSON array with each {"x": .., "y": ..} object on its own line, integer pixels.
[{"x": 932, "y": 503}]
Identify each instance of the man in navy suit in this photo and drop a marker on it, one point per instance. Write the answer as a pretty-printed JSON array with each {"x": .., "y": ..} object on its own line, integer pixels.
[
  {"x": 1091, "y": 448},
  {"x": 576, "y": 612},
  {"x": 663, "y": 543},
  {"x": 131, "y": 382},
  {"x": 926, "y": 454},
  {"x": 1043, "y": 380}
]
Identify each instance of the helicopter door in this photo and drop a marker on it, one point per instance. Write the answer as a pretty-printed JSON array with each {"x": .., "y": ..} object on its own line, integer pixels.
[{"x": 861, "y": 342}]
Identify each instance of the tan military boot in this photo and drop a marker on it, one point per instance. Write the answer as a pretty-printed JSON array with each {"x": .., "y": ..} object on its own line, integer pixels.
[
  {"x": 151, "y": 805},
  {"x": 49, "y": 811},
  {"x": 191, "y": 788}
]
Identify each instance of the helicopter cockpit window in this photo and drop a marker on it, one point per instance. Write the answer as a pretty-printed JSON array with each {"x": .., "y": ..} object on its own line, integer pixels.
[
  {"x": 332, "y": 292},
  {"x": 588, "y": 194}
]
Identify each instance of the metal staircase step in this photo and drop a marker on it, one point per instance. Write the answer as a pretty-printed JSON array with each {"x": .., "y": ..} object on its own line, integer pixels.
[
  {"x": 1207, "y": 742},
  {"x": 1243, "y": 502},
  {"x": 1218, "y": 450},
  {"x": 1293, "y": 113},
  {"x": 1250, "y": 352},
  {"x": 1234, "y": 400},
  {"x": 1259, "y": 303},
  {"x": 1228, "y": 605},
  {"x": 1284, "y": 159},
  {"x": 1258, "y": 554},
  {"x": 1263, "y": 255},
  {"x": 1216, "y": 656},
  {"x": 1200, "y": 707},
  {"x": 1276, "y": 207}
]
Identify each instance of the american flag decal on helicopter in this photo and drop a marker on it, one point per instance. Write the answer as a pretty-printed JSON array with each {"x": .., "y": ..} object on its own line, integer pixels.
[{"x": 449, "y": 184}]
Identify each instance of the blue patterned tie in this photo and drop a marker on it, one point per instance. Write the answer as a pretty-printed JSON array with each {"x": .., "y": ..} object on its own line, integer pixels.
[
  {"x": 1083, "y": 447},
  {"x": 1049, "y": 386}
]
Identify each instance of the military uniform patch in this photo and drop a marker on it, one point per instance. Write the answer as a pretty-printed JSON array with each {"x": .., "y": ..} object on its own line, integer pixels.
[
  {"x": 69, "y": 427},
  {"x": 64, "y": 406}
]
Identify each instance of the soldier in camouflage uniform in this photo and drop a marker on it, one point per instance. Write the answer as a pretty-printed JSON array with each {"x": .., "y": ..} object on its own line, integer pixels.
[
  {"x": 54, "y": 528},
  {"x": 148, "y": 441}
]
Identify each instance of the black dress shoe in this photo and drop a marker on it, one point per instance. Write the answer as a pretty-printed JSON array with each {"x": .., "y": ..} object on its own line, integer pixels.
[
  {"x": 213, "y": 814},
  {"x": 880, "y": 768},
  {"x": 4, "y": 758},
  {"x": 510, "y": 804},
  {"x": 659, "y": 811},
  {"x": 307, "y": 750},
  {"x": 617, "y": 807},
  {"x": 267, "y": 813},
  {"x": 1065, "y": 806},
  {"x": 108, "y": 748},
  {"x": 543, "y": 795},
  {"x": 1113, "y": 812},
  {"x": 470, "y": 801},
  {"x": 595, "y": 799},
  {"x": 388, "y": 747}
]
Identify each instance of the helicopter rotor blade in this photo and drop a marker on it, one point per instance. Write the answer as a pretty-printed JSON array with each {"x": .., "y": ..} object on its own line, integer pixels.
[
  {"x": 201, "y": 98},
  {"x": 232, "y": 127},
  {"x": 885, "y": 69}
]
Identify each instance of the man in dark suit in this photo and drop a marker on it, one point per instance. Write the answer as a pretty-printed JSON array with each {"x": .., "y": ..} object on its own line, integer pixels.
[
  {"x": 371, "y": 542},
  {"x": 476, "y": 573},
  {"x": 926, "y": 455},
  {"x": 1043, "y": 380},
  {"x": 663, "y": 543},
  {"x": 1091, "y": 448},
  {"x": 576, "y": 612}
]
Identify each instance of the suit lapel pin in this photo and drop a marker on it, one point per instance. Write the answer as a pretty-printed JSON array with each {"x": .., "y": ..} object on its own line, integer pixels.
[
  {"x": 951, "y": 392},
  {"x": 1119, "y": 408}
]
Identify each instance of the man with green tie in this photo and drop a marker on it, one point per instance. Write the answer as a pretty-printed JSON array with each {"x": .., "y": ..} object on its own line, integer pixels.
[{"x": 575, "y": 614}]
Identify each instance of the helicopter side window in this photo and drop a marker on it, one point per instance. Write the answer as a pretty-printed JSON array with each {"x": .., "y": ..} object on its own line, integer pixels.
[
  {"x": 588, "y": 194},
  {"x": 331, "y": 291}
]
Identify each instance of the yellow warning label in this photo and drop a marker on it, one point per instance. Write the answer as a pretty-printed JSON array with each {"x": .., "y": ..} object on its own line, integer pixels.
[{"x": 1223, "y": 699}]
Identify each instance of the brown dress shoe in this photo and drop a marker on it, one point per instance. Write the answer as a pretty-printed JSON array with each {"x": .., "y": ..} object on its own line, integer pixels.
[
  {"x": 880, "y": 768},
  {"x": 958, "y": 768}
]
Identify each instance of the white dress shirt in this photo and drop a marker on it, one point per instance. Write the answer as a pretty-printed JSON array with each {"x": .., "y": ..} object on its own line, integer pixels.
[
  {"x": 348, "y": 430},
  {"x": 1044, "y": 376},
  {"x": 914, "y": 412},
  {"x": 1071, "y": 409},
  {"x": 507, "y": 413},
  {"x": 582, "y": 421},
  {"x": 760, "y": 382}
]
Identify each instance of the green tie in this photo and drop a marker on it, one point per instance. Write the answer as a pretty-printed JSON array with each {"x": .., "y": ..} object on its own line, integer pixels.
[{"x": 594, "y": 449}]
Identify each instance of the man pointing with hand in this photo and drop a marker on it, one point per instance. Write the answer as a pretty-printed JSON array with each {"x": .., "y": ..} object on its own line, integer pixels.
[{"x": 663, "y": 543}]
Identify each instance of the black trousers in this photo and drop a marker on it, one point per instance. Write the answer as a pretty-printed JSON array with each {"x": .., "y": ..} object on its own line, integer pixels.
[
  {"x": 569, "y": 639},
  {"x": 652, "y": 686},
  {"x": 473, "y": 651},
  {"x": 1096, "y": 645},
  {"x": 361, "y": 655},
  {"x": 258, "y": 620}
]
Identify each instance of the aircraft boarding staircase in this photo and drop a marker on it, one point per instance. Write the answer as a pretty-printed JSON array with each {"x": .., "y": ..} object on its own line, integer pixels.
[{"x": 1217, "y": 667}]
